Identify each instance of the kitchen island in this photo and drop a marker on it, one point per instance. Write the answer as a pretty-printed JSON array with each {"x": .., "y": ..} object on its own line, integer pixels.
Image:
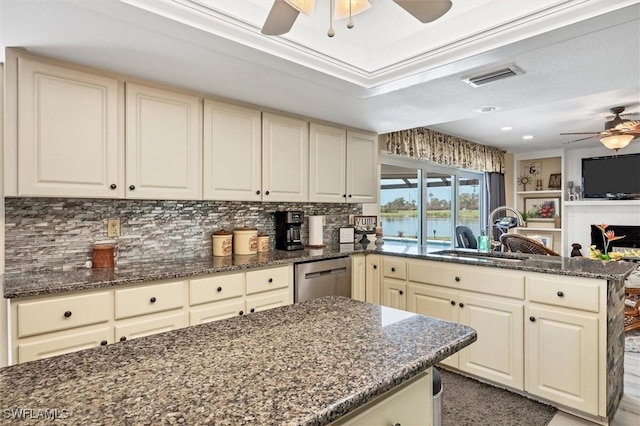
[{"x": 309, "y": 363}]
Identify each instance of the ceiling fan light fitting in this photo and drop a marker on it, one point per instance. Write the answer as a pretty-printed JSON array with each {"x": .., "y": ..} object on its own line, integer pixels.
[
  {"x": 616, "y": 142},
  {"x": 303, "y": 6},
  {"x": 342, "y": 11}
]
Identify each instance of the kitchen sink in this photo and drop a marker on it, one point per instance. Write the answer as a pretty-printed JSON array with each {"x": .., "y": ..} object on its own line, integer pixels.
[{"x": 497, "y": 257}]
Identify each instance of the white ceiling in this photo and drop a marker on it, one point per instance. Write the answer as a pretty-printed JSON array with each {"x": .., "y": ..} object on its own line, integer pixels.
[{"x": 580, "y": 57}]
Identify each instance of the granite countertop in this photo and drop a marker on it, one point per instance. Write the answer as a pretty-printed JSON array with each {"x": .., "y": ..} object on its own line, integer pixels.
[
  {"x": 41, "y": 283},
  {"x": 308, "y": 364}
]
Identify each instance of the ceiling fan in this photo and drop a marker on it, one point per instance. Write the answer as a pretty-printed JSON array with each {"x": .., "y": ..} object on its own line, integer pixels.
[
  {"x": 617, "y": 132},
  {"x": 284, "y": 12}
]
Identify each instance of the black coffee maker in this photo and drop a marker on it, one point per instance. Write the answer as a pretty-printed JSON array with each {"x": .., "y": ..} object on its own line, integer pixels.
[{"x": 289, "y": 230}]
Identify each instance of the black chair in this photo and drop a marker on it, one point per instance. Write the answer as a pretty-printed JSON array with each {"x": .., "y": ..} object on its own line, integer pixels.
[{"x": 465, "y": 237}]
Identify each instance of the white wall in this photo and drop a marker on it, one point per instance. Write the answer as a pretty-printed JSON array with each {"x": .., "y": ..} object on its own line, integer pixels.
[
  {"x": 3, "y": 304},
  {"x": 580, "y": 215}
]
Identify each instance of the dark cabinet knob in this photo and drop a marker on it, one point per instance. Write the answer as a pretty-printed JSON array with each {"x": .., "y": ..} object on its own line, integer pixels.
[
  {"x": 461, "y": 305},
  {"x": 375, "y": 266},
  {"x": 258, "y": 192},
  {"x": 453, "y": 303},
  {"x": 457, "y": 278},
  {"x": 401, "y": 292},
  {"x": 344, "y": 195},
  {"x": 350, "y": 195},
  {"x": 152, "y": 300},
  {"x": 270, "y": 280},
  {"x": 132, "y": 187},
  {"x": 67, "y": 314},
  {"x": 219, "y": 289},
  {"x": 241, "y": 313},
  {"x": 532, "y": 319},
  {"x": 123, "y": 338},
  {"x": 113, "y": 186},
  {"x": 393, "y": 269},
  {"x": 560, "y": 294},
  {"x": 103, "y": 343},
  {"x": 252, "y": 310}
]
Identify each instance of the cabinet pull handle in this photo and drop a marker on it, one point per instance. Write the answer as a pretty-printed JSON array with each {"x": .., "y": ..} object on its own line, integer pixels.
[
  {"x": 132, "y": 187},
  {"x": 67, "y": 314},
  {"x": 252, "y": 310},
  {"x": 532, "y": 319},
  {"x": 266, "y": 193},
  {"x": 152, "y": 300},
  {"x": 393, "y": 269},
  {"x": 457, "y": 278},
  {"x": 375, "y": 266},
  {"x": 123, "y": 338},
  {"x": 219, "y": 289},
  {"x": 103, "y": 343},
  {"x": 401, "y": 292},
  {"x": 350, "y": 195},
  {"x": 258, "y": 192},
  {"x": 461, "y": 305},
  {"x": 270, "y": 280},
  {"x": 344, "y": 195},
  {"x": 241, "y": 313},
  {"x": 113, "y": 186},
  {"x": 453, "y": 303},
  {"x": 560, "y": 294}
]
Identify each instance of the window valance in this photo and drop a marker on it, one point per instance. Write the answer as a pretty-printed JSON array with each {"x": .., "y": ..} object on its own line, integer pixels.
[{"x": 425, "y": 144}]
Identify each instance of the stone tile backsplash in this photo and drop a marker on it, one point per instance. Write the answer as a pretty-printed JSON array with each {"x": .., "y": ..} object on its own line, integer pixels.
[{"x": 57, "y": 233}]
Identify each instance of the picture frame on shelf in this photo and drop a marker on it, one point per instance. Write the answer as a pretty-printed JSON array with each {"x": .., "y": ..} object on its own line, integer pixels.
[
  {"x": 542, "y": 208},
  {"x": 533, "y": 168},
  {"x": 365, "y": 224},
  {"x": 555, "y": 181},
  {"x": 546, "y": 240}
]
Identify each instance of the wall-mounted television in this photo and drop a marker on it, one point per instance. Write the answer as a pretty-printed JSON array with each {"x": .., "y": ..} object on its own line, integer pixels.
[{"x": 615, "y": 177}]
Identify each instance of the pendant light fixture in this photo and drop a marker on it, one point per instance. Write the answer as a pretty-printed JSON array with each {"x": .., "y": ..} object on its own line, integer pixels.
[{"x": 616, "y": 142}]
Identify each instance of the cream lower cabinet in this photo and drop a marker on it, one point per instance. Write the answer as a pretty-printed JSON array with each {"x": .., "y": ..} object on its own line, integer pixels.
[
  {"x": 411, "y": 404},
  {"x": 394, "y": 287},
  {"x": 566, "y": 342},
  {"x": 358, "y": 277},
  {"x": 373, "y": 275},
  {"x": 442, "y": 290}
]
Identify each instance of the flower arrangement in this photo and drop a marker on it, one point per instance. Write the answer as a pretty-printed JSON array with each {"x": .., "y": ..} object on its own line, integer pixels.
[{"x": 607, "y": 237}]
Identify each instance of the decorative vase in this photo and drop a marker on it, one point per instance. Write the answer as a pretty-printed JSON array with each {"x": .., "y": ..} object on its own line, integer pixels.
[{"x": 379, "y": 241}]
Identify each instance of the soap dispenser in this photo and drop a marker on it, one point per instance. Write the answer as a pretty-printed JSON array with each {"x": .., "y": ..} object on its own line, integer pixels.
[{"x": 483, "y": 242}]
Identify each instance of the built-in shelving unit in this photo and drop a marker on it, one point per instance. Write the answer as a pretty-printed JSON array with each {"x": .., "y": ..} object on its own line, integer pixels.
[{"x": 543, "y": 169}]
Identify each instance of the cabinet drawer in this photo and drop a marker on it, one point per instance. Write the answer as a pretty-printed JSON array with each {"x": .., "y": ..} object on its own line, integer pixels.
[
  {"x": 473, "y": 278},
  {"x": 393, "y": 268},
  {"x": 216, "y": 311},
  {"x": 564, "y": 291},
  {"x": 61, "y": 313},
  {"x": 219, "y": 287},
  {"x": 64, "y": 344},
  {"x": 267, "y": 279},
  {"x": 262, "y": 302},
  {"x": 149, "y": 299},
  {"x": 133, "y": 329}
]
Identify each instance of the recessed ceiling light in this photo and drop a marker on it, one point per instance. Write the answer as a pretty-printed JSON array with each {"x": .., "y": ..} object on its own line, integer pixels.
[
  {"x": 527, "y": 137},
  {"x": 504, "y": 129},
  {"x": 487, "y": 109}
]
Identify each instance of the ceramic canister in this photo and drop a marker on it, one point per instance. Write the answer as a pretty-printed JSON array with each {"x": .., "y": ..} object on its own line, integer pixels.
[
  {"x": 222, "y": 243},
  {"x": 263, "y": 242},
  {"x": 245, "y": 241},
  {"x": 103, "y": 254}
]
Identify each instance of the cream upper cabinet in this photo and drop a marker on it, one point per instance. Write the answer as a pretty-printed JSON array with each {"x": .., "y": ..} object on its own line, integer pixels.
[
  {"x": 232, "y": 152},
  {"x": 362, "y": 168},
  {"x": 69, "y": 138},
  {"x": 343, "y": 165},
  {"x": 327, "y": 164},
  {"x": 285, "y": 158},
  {"x": 164, "y": 144}
]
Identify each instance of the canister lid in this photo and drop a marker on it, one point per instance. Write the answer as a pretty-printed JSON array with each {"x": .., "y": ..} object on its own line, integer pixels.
[
  {"x": 262, "y": 234},
  {"x": 222, "y": 232},
  {"x": 245, "y": 229}
]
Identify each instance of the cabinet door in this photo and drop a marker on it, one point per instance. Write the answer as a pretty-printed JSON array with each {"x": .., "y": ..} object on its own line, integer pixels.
[
  {"x": 327, "y": 164},
  {"x": 394, "y": 294},
  {"x": 269, "y": 300},
  {"x": 497, "y": 355},
  {"x": 232, "y": 152},
  {"x": 285, "y": 158},
  {"x": 216, "y": 311},
  {"x": 358, "y": 277},
  {"x": 164, "y": 144},
  {"x": 434, "y": 302},
  {"x": 362, "y": 168},
  {"x": 373, "y": 274},
  {"x": 64, "y": 343},
  {"x": 148, "y": 325},
  {"x": 68, "y": 133},
  {"x": 562, "y": 357}
]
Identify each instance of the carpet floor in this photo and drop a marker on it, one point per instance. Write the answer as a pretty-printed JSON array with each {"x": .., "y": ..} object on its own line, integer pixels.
[{"x": 469, "y": 402}]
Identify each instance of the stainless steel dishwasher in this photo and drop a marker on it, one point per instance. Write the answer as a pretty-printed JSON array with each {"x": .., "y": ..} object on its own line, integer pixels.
[{"x": 330, "y": 277}]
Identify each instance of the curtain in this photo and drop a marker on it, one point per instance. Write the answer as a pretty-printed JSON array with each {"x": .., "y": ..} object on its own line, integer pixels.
[
  {"x": 496, "y": 198},
  {"x": 425, "y": 144}
]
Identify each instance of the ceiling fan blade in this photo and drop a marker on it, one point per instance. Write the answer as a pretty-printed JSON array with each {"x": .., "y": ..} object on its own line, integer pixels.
[
  {"x": 578, "y": 140},
  {"x": 280, "y": 18},
  {"x": 580, "y": 133},
  {"x": 425, "y": 10}
]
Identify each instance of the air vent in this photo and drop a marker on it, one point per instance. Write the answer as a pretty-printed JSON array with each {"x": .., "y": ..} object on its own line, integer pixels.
[{"x": 491, "y": 76}]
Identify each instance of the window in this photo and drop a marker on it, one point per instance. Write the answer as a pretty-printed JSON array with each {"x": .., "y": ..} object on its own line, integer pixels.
[{"x": 422, "y": 203}]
